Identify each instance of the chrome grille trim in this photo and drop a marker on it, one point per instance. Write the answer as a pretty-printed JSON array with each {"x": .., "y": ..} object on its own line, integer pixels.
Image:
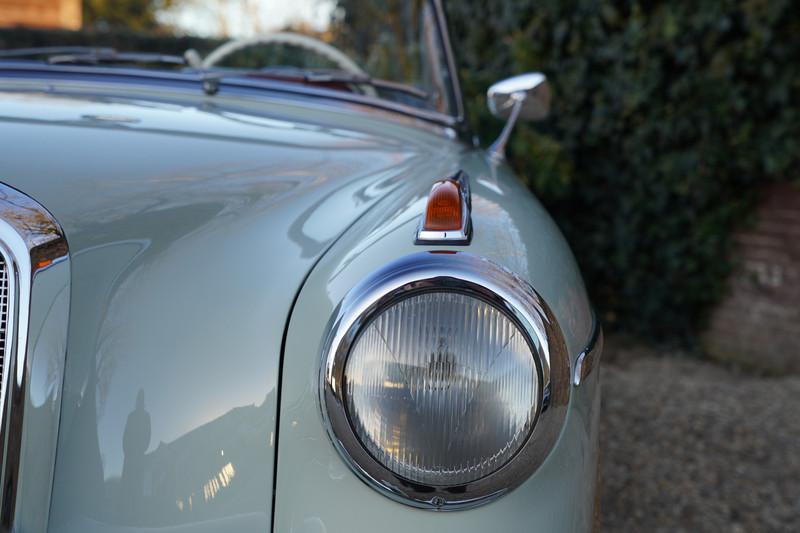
[
  {"x": 3, "y": 316},
  {"x": 31, "y": 242},
  {"x": 6, "y": 328},
  {"x": 10, "y": 342}
]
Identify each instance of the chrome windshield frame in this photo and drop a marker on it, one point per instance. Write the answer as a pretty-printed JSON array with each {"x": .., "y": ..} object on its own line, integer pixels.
[{"x": 452, "y": 68}]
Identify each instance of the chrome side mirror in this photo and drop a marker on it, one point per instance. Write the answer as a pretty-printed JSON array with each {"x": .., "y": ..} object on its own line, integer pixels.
[{"x": 526, "y": 96}]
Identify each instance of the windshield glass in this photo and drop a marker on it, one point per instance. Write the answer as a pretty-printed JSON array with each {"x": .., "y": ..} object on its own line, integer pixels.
[{"x": 380, "y": 49}]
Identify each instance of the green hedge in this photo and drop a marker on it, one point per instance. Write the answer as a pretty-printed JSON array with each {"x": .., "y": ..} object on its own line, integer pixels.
[{"x": 666, "y": 118}]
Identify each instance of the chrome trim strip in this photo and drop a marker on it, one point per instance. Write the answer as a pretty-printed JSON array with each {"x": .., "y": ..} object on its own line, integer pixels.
[
  {"x": 589, "y": 358},
  {"x": 455, "y": 84},
  {"x": 450, "y": 271},
  {"x": 9, "y": 237},
  {"x": 461, "y": 236},
  {"x": 31, "y": 241}
]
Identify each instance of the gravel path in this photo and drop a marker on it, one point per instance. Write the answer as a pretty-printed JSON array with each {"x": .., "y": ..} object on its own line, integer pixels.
[{"x": 689, "y": 446}]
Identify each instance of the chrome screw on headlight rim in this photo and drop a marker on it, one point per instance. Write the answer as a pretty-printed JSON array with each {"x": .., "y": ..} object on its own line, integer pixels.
[{"x": 445, "y": 380}]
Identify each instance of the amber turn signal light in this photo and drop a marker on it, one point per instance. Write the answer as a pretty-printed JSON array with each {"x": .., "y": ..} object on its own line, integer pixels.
[{"x": 444, "y": 207}]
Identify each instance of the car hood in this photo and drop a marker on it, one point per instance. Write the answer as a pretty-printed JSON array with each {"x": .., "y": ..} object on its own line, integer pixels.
[{"x": 192, "y": 225}]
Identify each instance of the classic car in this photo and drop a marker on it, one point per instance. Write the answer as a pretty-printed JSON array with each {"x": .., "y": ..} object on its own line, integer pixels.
[{"x": 292, "y": 296}]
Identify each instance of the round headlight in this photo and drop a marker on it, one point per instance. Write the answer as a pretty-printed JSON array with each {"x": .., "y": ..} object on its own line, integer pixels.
[
  {"x": 445, "y": 380},
  {"x": 441, "y": 388}
]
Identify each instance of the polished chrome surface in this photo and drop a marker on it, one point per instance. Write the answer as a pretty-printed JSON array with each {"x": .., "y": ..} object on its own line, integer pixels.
[
  {"x": 589, "y": 358},
  {"x": 4, "y": 317},
  {"x": 11, "y": 285},
  {"x": 452, "y": 67},
  {"x": 531, "y": 89},
  {"x": 526, "y": 96},
  {"x": 463, "y": 234},
  {"x": 467, "y": 274},
  {"x": 31, "y": 241}
]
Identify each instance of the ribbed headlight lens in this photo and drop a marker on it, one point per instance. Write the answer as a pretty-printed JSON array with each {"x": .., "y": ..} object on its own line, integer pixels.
[{"x": 441, "y": 388}]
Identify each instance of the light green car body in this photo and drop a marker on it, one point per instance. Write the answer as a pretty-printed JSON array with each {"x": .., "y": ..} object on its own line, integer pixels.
[{"x": 210, "y": 240}]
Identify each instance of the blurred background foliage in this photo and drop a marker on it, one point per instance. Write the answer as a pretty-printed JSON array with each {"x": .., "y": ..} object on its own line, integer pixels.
[{"x": 667, "y": 117}]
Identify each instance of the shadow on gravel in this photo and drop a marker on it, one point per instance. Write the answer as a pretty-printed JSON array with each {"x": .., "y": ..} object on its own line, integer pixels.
[{"x": 690, "y": 446}]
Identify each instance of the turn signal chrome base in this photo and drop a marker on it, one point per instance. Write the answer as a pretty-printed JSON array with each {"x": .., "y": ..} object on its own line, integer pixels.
[{"x": 447, "y": 218}]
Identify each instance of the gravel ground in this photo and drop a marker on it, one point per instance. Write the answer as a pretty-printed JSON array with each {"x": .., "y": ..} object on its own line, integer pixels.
[{"x": 690, "y": 446}]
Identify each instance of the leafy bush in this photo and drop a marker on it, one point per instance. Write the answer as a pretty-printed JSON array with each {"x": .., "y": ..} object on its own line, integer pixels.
[{"x": 666, "y": 118}]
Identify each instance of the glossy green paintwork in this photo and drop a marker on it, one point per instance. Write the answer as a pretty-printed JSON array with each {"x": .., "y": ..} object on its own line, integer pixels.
[{"x": 193, "y": 222}]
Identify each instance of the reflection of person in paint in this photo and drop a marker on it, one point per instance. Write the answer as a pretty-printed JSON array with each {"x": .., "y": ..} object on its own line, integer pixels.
[{"x": 135, "y": 442}]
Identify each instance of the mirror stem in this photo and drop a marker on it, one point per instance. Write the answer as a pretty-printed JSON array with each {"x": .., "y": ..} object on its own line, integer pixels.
[{"x": 497, "y": 151}]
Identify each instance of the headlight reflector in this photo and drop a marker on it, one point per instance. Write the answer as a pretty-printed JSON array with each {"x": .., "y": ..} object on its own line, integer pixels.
[{"x": 441, "y": 388}]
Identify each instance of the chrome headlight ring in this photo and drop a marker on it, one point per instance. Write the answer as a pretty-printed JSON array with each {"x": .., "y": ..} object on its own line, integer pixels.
[{"x": 481, "y": 279}]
